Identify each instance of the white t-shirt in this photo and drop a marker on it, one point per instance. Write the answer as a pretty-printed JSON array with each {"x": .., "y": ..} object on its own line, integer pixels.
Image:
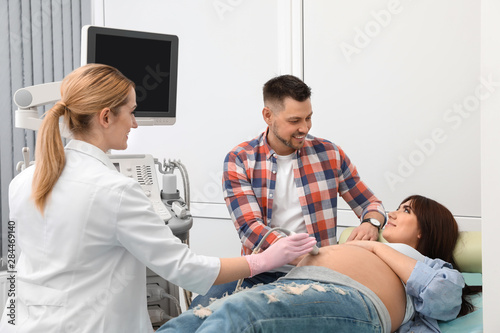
[
  {"x": 287, "y": 212},
  {"x": 412, "y": 253}
]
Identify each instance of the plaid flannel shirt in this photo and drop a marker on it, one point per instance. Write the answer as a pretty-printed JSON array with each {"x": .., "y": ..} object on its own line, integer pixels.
[{"x": 321, "y": 170}]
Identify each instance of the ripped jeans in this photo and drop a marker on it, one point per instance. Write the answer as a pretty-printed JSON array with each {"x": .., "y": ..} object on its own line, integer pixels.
[{"x": 290, "y": 305}]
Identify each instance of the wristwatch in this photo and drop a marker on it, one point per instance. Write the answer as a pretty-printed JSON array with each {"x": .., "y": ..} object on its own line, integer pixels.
[{"x": 373, "y": 222}]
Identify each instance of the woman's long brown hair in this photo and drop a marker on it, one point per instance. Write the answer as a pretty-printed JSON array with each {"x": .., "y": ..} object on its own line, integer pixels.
[{"x": 439, "y": 231}]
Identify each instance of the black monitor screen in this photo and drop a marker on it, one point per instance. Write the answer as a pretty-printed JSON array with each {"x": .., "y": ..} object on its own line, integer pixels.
[{"x": 148, "y": 59}]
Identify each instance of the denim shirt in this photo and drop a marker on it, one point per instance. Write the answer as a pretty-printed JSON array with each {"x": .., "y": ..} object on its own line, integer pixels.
[{"x": 436, "y": 290}]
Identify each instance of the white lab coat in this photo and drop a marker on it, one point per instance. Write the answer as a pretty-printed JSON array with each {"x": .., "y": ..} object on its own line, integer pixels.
[{"x": 82, "y": 266}]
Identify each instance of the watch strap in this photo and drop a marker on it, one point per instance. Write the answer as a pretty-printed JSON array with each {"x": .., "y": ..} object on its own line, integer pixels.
[{"x": 374, "y": 223}]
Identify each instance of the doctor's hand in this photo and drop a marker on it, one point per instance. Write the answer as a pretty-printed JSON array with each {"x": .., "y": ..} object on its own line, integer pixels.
[
  {"x": 365, "y": 231},
  {"x": 281, "y": 252}
]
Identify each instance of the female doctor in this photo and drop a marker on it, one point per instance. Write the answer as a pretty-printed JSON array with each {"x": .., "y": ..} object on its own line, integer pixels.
[{"x": 86, "y": 232}]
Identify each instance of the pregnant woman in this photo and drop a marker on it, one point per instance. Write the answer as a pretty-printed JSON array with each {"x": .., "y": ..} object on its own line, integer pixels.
[{"x": 360, "y": 286}]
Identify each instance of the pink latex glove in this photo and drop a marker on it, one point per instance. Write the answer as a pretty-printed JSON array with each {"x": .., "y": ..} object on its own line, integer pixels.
[{"x": 280, "y": 253}]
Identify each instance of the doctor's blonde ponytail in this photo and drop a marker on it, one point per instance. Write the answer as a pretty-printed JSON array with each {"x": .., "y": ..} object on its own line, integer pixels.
[
  {"x": 49, "y": 155},
  {"x": 85, "y": 92}
]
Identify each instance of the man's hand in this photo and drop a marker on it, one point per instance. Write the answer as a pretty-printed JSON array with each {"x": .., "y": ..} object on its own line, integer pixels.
[{"x": 365, "y": 231}]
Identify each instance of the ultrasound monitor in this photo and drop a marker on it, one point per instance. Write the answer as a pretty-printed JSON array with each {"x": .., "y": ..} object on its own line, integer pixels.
[{"x": 148, "y": 59}]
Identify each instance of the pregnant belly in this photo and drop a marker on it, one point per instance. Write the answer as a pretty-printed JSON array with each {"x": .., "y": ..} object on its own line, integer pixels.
[{"x": 366, "y": 268}]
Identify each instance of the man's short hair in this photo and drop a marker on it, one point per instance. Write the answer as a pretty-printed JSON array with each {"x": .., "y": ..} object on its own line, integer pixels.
[{"x": 278, "y": 88}]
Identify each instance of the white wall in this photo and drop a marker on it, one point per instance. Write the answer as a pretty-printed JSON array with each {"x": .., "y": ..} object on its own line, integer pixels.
[
  {"x": 390, "y": 104},
  {"x": 490, "y": 160},
  {"x": 387, "y": 78},
  {"x": 225, "y": 55}
]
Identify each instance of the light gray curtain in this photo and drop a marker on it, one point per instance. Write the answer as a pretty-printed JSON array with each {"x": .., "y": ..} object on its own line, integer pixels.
[{"x": 39, "y": 43}]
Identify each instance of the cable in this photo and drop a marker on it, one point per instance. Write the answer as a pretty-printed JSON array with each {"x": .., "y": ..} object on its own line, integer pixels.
[{"x": 157, "y": 293}]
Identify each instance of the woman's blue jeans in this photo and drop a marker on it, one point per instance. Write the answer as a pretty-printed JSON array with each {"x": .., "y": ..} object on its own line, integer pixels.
[
  {"x": 283, "y": 306},
  {"x": 225, "y": 289}
]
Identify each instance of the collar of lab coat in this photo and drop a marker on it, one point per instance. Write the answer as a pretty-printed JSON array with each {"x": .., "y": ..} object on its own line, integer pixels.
[{"x": 90, "y": 150}]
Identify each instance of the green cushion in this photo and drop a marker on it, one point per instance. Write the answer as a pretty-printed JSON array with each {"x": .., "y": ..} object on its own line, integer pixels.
[{"x": 468, "y": 253}]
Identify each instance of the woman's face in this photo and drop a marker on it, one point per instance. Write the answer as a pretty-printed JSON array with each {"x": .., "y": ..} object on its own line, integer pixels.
[
  {"x": 122, "y": 123},
  {"x": 402, "y": 226}
]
